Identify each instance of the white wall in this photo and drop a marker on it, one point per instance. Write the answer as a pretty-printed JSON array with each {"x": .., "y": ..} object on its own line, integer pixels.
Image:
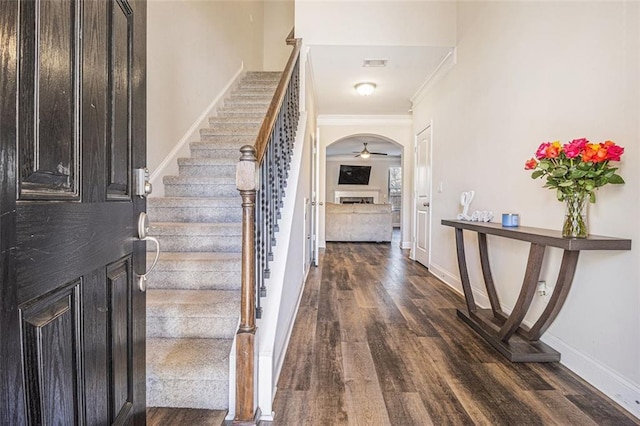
[
  {"x": 194, "y": 48},
  {"x": 379, "y": 179},
  {"x": 529, "y": 72},
  {"x": 396, "y": 128},
  {"x": 349, "y": 23},
  {"x": 278, "y": 22}
]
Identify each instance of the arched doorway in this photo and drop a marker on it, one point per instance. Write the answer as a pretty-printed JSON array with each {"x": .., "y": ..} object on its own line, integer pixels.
[{"x": 381, "y": 160}]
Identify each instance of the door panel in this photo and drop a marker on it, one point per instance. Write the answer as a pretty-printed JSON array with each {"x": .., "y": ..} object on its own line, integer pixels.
[
  {"x": 48, "y": 135},
  {"x": 51, "y": 348},
  {"x": 119, "y": 132},
  {"x": 423, "y": 196},
  {"x": 72, "y": 322},
  {"x": 119, "y": 287}
]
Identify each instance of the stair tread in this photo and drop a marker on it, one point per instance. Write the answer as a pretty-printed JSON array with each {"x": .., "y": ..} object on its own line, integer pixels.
[
  {"x": 199, "y": 256},
  {"x": 196, "y": 161},
  {"x": 200, "y": 180},
  {"x": 178, "y": 303},
  {"x": 188, "y": 359},
  {"x": 195, "y": 228},
  {"x": 212, "y": 202}
]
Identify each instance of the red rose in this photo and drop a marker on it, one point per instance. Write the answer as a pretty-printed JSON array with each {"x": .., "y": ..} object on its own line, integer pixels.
[
  {"x": 530, "y": 164},
  {"x": 614, "y": 152}
]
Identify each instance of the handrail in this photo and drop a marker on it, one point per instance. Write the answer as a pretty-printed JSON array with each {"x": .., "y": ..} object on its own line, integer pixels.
[
  {"x": 276, "y": 103},
  {"x": 261, "y": 177}
]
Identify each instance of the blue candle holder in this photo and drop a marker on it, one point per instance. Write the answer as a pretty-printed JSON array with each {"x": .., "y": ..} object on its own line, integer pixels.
[{"x": 510, "y": 220}]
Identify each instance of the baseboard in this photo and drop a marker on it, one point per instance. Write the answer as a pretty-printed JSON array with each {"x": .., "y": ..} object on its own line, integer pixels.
[
  {"x": 406, "y": 245},
  {"x": 454, "y": 282},
  {"x": 607, "y": 381},
  {"x": 156, "y": 176}
]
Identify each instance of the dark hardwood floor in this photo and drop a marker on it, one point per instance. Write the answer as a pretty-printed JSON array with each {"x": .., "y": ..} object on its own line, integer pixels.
[
  {"x": 159, "y": 416},
  {"x": 377, "y": 342}
]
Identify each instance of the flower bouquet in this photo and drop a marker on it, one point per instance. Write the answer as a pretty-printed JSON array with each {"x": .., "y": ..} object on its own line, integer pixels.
[{"x": 575, "y": 170}]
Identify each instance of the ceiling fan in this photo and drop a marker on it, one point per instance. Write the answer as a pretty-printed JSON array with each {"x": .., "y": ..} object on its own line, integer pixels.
[{"x": 365, "y": 153}]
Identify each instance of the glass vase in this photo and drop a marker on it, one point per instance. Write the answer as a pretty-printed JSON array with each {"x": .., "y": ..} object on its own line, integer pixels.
[{"x": 575, "y": 218}]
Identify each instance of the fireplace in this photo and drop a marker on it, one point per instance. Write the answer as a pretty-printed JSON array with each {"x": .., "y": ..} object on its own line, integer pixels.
[
  {"x": 365, "y": 197},
  {"x": 356, "y": 200}
]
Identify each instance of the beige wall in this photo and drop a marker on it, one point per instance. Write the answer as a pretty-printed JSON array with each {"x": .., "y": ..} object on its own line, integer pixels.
[
  {"x": 278, "y": 22},
  {"x": 349, "y": 23},
  {"x": 529, "y": 72},
  {"x": 194, "y": 48}
]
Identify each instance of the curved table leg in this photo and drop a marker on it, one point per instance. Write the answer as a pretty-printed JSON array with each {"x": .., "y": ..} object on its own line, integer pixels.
[
  {"x": 560, "y": 293},
  {"x": 464, "y": 273},
  {"x": 488, "y": 277},
  {"x": 531, "y": 275}
]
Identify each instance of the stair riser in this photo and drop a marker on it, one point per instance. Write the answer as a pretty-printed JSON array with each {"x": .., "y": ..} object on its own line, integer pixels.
[
  {"x": 254, "y": 90},
  {"x": 234, "y": 128},
  {"x": 249, "y": 101},
  {"x": 204, "y": 394},
  {"x": 191, "y": 214},
  {"x": 194, "y": 280},
  {"x": 194, "y": 190},
  {"x": 246, "y": 110},
  {"x": 253, "y": 119},
  {"x": 253, "y": 132},
  {"x": 191, "y": 243},
  {"x": 181, "y": 327},
  {"x": 210, "y": 152},
  {"x": 213, "y": 170},
  {"x": 228, "y": 141}
]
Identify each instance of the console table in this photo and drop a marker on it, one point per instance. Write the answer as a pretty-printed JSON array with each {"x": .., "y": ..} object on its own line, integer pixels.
[{"x": 506, "y": 333}]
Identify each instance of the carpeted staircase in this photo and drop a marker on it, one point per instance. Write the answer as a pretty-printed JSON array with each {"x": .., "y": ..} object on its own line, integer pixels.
[{"x": 193, "y": 296}]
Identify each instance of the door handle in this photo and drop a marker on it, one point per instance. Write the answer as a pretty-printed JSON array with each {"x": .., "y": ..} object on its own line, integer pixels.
[
  {"x": 143, "y": 229},
  {"x": 425, "y": 205}
]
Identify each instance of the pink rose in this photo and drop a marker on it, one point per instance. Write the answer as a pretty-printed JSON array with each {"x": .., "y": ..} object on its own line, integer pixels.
[
  {"x": 575, "y": 147},
  {"x": 542, "y": 150}
]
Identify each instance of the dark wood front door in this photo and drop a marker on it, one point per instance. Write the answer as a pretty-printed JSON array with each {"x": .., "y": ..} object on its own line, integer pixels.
[{"x": 72, "y": 129}]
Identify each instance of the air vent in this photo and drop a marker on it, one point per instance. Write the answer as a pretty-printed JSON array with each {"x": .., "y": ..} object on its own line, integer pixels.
[{"x": 375, "y": 62}]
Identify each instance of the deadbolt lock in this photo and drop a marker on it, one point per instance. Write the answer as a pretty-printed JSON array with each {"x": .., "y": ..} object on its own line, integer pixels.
[{"x": 141, "y": 181}]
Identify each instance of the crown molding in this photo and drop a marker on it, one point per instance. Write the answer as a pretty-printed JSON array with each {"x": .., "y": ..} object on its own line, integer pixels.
[
  {"x": 355, "y": 120},
  {"x": 441, "y": 70}
]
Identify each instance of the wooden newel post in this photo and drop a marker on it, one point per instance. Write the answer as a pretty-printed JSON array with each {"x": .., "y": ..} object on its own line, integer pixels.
[{"x": 245, "y": 339}]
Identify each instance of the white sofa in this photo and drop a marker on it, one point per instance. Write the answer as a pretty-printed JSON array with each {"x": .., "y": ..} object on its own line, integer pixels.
[{"x": 358, "y": 222}]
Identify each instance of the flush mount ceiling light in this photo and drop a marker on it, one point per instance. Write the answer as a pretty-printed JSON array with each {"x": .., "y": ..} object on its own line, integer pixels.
[{"x": 365, "y": 89}]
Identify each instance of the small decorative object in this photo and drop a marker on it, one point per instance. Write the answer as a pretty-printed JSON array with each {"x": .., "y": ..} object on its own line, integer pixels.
[
  {"x": 481, "y": 216},
  {"x": 510, "y": 220},
  {"x": 575, "y": 170},
  {"x": 465, "y": 200}
]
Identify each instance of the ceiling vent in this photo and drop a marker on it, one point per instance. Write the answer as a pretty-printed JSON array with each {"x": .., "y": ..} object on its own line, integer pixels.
[{"x": 375, "y": 62}]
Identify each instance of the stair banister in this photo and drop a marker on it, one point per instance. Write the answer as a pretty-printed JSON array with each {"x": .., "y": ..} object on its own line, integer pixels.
[{"x": 261, "y": 178}]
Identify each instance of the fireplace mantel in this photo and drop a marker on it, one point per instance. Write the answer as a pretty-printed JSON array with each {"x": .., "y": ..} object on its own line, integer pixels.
[{"x": 373, "y": 193}]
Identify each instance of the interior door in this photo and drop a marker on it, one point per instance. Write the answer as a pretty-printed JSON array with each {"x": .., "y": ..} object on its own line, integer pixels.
[
  {"x": 72, "y": 128},
  {"x": 423, "y": 196}
]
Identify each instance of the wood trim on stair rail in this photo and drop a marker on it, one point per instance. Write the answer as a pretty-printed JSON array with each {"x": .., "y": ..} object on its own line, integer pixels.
[
  {"x": 247, "y": 172},
  {"x": 276, "y": 103}
]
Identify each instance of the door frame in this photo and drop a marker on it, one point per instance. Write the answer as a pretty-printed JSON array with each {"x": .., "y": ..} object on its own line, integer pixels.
[{"x": 414, "y": 204}]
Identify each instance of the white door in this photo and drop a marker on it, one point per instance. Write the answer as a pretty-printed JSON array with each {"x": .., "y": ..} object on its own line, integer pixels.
[
  {"x": 314, "y": 199},
  {"x": 423, "y": 196}
]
